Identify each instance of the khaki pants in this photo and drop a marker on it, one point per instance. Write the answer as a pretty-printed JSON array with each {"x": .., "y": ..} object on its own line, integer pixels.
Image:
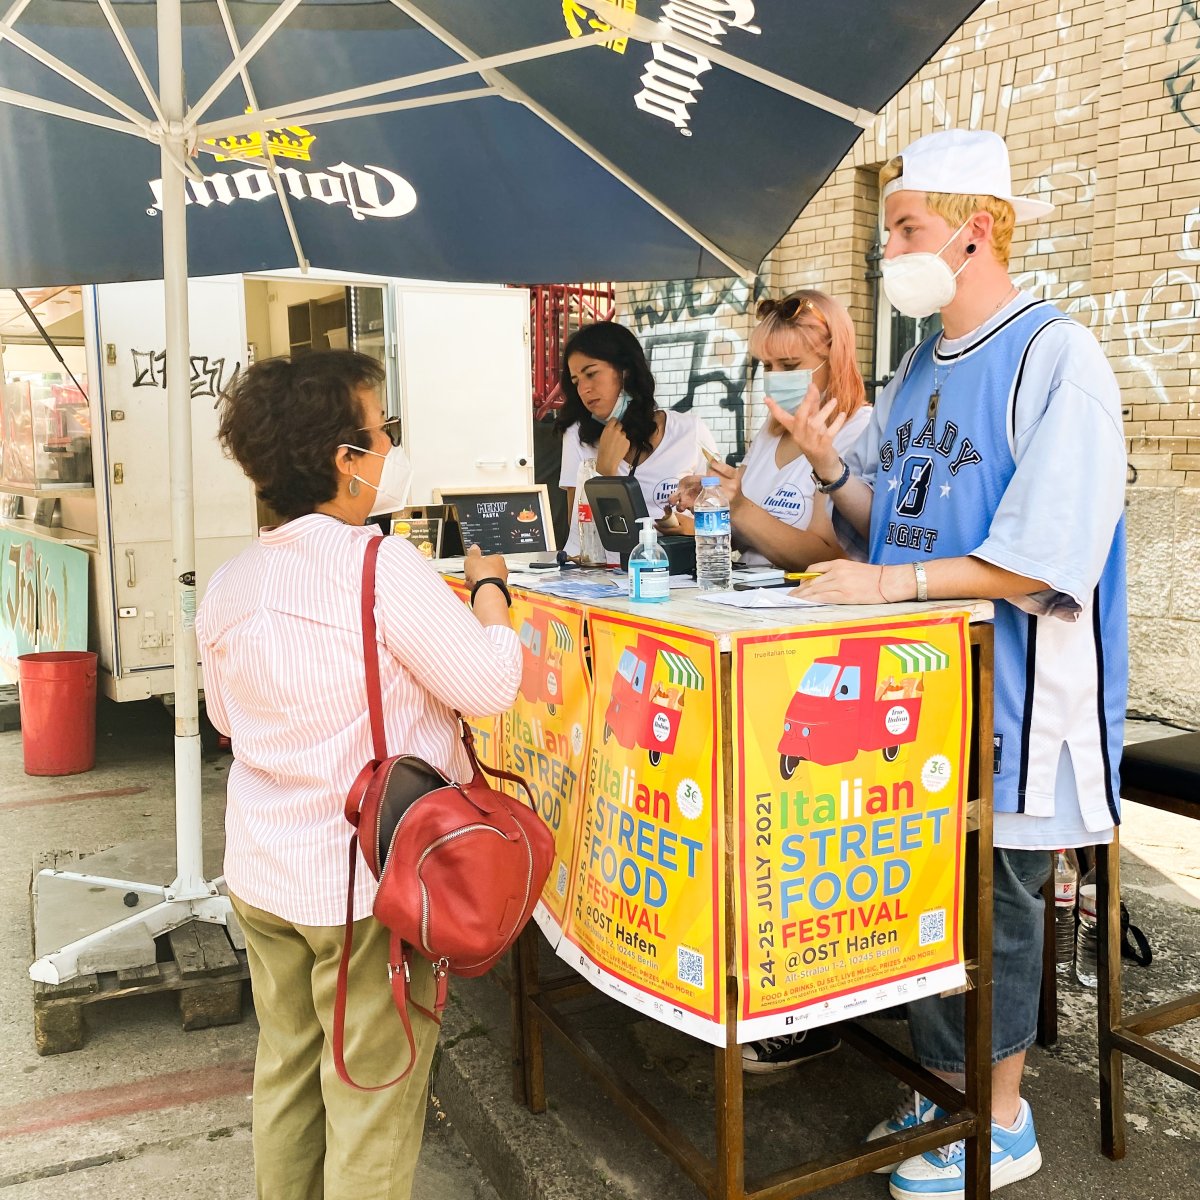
[{"x": 314, "y": 1137}]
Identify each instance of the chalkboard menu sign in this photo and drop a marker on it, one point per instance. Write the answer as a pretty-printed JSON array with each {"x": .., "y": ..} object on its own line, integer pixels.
[{"x": 502, "y": 520}]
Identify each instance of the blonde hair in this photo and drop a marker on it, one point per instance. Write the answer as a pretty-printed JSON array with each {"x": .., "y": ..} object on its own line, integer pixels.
[
  {"x": 956, "y": 209},
  {"x": 817, "y": 326}
]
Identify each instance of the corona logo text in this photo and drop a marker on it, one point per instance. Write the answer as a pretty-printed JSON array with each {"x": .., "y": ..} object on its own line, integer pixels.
[{"x": 367, "y": 191}]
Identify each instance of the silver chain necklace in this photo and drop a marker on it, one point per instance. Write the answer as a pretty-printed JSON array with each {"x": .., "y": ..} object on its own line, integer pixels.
[{"x": 936, "y": 395}]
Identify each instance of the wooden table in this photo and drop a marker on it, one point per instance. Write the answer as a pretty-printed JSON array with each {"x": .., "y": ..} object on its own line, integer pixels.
[{"x": 724, "y": 1175}]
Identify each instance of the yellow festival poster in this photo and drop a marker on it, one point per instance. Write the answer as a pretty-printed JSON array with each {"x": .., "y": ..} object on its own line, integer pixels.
[
  {"x": 545, "y": 732},
  {"x": 488, "y": 732},
  {"x": 646, "y": 913},
  {"x": 850, "y": 761}
]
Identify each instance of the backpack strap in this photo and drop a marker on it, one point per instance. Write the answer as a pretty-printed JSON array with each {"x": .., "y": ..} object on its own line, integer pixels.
[
  {"x": 1134, "y": 943},
  {"x": 468, "y": 739},
  {"x": 358, "y": 788},
  {"x": 371, "y": 649},
  {"x": 398, "y": 974}
]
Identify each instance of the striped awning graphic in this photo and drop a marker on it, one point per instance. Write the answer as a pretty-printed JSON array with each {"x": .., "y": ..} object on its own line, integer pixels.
[
  {"x": 562, "y": 636},
  {"x": 682, "y": 671},
  {"x": 918, "y": 656}
]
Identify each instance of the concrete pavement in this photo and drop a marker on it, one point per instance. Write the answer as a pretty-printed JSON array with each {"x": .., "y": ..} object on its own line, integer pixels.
[{"x": 145, "y": 1108}]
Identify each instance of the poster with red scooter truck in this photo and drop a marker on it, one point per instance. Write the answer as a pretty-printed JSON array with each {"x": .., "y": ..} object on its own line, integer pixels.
[
  {"x": 645, "y": 921},
  {"x": 545, "y": 732},
  {"x": 850, "y": 763}
]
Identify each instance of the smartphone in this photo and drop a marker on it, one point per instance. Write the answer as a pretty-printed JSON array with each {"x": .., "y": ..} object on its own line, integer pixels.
[
  {"x": 542, "y": 564},
  {"x": 710, "y": 457}
]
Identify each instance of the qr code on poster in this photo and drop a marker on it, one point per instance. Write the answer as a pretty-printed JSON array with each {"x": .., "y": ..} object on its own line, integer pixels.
[
  {"x": 690, "y": 966},
  {"x": 933, "y": 926},
  {"x": 560, "y": 882}
]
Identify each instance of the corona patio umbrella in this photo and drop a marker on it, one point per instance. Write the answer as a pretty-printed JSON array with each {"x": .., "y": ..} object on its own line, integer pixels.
[{"x": 443, "y": 139}]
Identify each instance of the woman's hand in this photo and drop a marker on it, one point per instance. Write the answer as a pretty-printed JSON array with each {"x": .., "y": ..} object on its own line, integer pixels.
[
  {"x": 676, "y": 522},
  {"x": 611, "y": 449},
  {"x": 813, "y": 427},
  {"x": 684, "y": 495},
  {"x": 730, "y": 477},
  {"x": 477, "y": 566},
  {"x": 844, "y": 582}
]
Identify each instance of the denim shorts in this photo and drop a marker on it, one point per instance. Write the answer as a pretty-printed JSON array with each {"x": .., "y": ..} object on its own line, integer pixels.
[{"x": 1018, "y": 913}]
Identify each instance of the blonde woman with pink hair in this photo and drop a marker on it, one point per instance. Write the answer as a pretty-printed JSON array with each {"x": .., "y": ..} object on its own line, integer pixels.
[{"x": 779, "y": 512}]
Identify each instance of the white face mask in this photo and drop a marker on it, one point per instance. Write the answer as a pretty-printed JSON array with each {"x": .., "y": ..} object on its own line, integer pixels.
[
  {"x": 788, "y": 388},
  {"x": 921, "y": 283},
  {"x": 395, "y": 480}
]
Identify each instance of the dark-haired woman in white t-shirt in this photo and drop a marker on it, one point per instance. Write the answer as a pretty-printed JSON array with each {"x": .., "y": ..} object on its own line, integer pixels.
[{"x": 609, "y": 415}]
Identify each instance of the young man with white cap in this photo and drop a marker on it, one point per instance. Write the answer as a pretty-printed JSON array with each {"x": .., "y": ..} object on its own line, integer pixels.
[{"x": 994, "y": 466}]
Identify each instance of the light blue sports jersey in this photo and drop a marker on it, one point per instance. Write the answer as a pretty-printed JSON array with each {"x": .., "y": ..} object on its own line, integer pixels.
[{"x": 1021, "y": 463}]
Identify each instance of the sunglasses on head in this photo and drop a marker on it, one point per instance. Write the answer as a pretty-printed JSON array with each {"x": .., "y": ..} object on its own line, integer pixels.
[
  {"x": 391, "y": 427},
  {"x": 789, "y": 308}
]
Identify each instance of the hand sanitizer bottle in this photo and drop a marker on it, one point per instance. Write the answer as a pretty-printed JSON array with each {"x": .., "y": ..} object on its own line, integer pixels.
[{"x": 649, "y": 570}]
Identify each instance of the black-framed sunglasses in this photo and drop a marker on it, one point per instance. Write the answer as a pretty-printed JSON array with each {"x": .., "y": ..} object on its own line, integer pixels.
[
  {"x": 391, "y": 427},
  {"x": 789, "y": 308}
]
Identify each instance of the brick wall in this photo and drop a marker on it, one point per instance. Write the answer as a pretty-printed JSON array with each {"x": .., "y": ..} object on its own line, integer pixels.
[{"x": 1099, "y": 103}]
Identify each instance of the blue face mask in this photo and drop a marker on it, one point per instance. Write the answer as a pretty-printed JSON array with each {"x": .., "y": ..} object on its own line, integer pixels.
[
  {"x": 788, "y": 388},
  {"x": 619, "y": 408}
]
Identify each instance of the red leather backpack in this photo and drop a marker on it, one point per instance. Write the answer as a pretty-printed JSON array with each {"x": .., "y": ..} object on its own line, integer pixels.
[{"x": 460, "y": 865}]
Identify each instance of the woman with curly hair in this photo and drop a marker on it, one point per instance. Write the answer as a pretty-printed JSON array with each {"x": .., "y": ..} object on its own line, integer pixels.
[
  {"x": 609, "y": 415},
  {"x": 280, "y": 634}
]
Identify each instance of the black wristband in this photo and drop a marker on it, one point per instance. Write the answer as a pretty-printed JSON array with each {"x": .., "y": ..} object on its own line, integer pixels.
[
  {"x": 494, "y": 580},
  {"x": 826, "y": 488}
]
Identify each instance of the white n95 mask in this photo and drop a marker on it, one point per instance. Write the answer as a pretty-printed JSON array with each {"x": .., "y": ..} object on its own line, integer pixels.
[
  {"x": 919, "y": 284},
  {"x": 395, "y": 480}
]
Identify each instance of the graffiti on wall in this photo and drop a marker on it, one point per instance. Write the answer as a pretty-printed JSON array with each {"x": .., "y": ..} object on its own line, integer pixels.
[
  {"x": 697, "y": 327},
  {"x": 208, "y": 375},
  {"x": 1184, "y": 29}
]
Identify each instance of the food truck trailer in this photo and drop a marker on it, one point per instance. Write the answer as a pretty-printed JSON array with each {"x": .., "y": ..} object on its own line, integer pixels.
[
  {"x": 647, "y": 697},
  {"x": 544, "y": 642},
  {"x": 867, "y": 696},
  {"x": 86, "y": 521}
]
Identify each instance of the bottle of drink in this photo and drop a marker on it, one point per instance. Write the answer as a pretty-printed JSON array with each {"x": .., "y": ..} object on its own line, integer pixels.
[
  {"x": 1066, "y": 882},
  {"x": 591, "y": 548},
  {"x": 1086, "y": 970},
  {"x": 714, "y": 545},
  {"x": 649, "y": 568}
]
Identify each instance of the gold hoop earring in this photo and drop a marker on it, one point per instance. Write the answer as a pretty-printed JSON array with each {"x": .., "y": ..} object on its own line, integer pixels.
[{"x": 352, "y": 487}]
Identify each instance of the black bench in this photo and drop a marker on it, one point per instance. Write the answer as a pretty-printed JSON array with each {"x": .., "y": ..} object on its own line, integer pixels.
[{"x": 1164, "y": 774}]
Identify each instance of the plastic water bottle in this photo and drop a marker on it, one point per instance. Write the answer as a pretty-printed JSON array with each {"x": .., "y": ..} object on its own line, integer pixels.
[
  {"x": 1086, "y": 969},
  {"x": 1066, "y": 883},
  {"x": 714, "y": 545}
]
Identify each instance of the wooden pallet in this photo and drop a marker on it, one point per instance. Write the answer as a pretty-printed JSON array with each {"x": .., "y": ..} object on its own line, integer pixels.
[
  {"x": 10, "y": 708},
  {"x": 206, "y": 968}
]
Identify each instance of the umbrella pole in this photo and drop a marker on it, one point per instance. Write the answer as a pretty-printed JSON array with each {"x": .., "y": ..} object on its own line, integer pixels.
[{"x": 189, "y": 882}]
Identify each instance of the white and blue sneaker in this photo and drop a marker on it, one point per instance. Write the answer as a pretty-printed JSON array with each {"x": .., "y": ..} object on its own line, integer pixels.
[
  {"x": 912, "y": 1111},
  {"x": 939, "y": 1173}
]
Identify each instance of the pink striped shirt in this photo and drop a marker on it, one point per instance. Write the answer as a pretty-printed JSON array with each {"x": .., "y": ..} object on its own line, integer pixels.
[{"x": 280, "y": 632}]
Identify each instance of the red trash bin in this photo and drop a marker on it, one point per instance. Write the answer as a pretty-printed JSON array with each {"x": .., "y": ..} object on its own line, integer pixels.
[{"x": 58, "y": 711}]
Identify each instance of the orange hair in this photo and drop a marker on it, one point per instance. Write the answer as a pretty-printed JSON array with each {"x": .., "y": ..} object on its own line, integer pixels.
[{"x": 818, "y": 326}]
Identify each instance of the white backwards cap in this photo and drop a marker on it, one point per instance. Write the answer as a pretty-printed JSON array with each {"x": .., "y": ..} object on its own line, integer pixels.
[{"x": 964, "y": 162}]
